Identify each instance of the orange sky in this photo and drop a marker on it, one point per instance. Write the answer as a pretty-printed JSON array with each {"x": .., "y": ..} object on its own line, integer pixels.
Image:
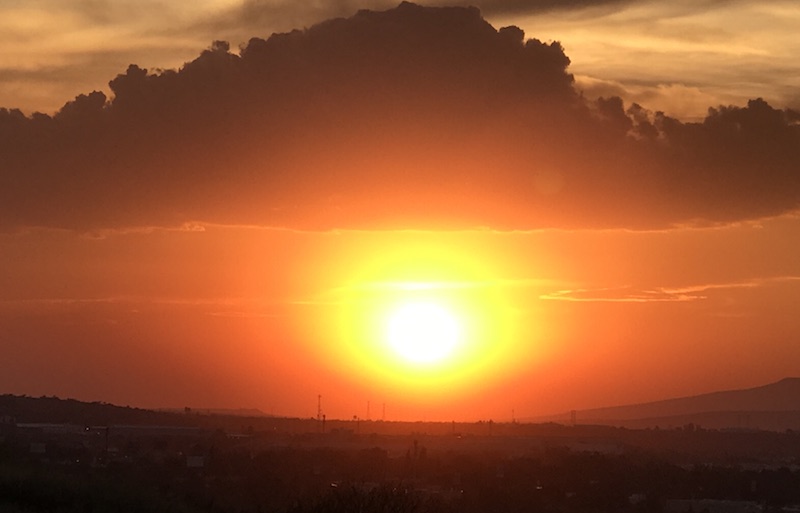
[
  {"x": 242, "y": 316},
  {"x": 226, "y": 235}
]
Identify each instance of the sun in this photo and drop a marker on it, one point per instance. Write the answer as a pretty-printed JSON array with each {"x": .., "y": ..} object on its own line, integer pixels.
[
  {"x": 419, "y": 317},
  {"x": 423, "y": 332}
]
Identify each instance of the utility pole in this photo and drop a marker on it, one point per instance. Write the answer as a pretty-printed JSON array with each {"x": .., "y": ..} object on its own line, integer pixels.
[{"x": 320, "y": 424}]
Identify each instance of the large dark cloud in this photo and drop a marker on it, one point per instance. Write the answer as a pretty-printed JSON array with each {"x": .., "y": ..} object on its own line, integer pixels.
[{"x": 413, "y": 117}]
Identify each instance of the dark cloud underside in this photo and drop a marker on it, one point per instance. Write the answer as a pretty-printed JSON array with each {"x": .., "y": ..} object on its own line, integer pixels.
[{"x": 412, "y": 117}]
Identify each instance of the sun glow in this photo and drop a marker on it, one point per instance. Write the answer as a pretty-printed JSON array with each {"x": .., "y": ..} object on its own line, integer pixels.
[{"x": 423, "y": 319}]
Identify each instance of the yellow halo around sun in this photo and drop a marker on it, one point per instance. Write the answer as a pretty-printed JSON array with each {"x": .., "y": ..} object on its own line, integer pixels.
[{"x": 427, "y": 320}]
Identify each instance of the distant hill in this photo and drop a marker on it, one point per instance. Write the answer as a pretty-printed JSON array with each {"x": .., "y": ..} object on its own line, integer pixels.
[
  {"x": 773, "y": 407},
  {"x": 233, "y": 412},
  {"x": 53, "y": 410},
  {"x": 24, "y": 409}
]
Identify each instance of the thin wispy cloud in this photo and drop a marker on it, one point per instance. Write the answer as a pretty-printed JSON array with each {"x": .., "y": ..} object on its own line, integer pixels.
[
  {"x": 661, "y": 294},
  {"x": 747, "y": 284},
  {"x": 618, "y": 295}
]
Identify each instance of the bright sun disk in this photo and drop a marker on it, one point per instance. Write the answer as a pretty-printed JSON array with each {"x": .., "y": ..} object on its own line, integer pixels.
[{"x": 423, "y": 332}]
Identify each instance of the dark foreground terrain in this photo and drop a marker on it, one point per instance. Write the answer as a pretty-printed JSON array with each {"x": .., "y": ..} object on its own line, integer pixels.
[{"x": 124, "y": 459}]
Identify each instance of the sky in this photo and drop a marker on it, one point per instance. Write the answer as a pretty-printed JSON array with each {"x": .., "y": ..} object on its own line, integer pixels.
[{"x": 223, "y": 205}]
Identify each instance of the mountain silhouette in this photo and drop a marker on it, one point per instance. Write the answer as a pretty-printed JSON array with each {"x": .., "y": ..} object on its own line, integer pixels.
[{"x": 773, "y": 406}]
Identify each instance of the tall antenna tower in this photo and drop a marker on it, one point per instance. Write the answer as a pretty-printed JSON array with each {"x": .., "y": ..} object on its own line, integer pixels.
[{"x": 319, "y": 411}]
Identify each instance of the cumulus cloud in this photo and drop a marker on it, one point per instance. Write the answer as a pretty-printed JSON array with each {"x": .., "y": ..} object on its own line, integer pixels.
[{"x": 412, "y": 117}]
